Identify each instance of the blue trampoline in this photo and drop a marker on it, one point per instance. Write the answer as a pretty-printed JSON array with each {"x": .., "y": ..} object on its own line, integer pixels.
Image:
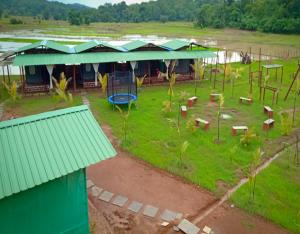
[
  {"x": 122, "y": 98},
  {"x": 121, "y": 88}
]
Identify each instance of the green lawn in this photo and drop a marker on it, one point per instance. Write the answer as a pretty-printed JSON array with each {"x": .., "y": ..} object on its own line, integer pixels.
[
  {"x": 275, "y": 44},
  {"x": 38, "y": 104},
  {"x": 210, "y": 165},
  {"x": 207, "y": 164},
  {"x": 276, "y": 195}
]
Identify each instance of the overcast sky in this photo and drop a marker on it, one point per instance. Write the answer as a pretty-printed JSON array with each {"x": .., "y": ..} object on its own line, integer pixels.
[{"x": 96, "y": 3}]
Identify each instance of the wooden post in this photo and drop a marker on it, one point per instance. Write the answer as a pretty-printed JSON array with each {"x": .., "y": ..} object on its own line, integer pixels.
[
  {"x": 3, "y": 73},
  {"x": 8, "y": 75},
  {"x": 149, "y": 72},
  {"x": 74, "y": 79},
  {"x": 217, "y": 61},
  {"x": 250, "y": 64},
  {"x": 225, "y": 67}
]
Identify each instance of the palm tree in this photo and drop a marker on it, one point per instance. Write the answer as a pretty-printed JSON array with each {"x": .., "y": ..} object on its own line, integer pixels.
[
  {"x": 199, "y": 70},
  {"x": 61, "y": 87},
  {"x": 103, "y": 81},
  {"x": 221, "y": 103},
  {"x": 12, "y": 90},
  {"x": 125, "y": 116}
]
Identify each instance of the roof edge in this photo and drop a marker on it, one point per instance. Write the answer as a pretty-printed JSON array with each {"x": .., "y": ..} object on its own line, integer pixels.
[{"x": 41, "y": 116}]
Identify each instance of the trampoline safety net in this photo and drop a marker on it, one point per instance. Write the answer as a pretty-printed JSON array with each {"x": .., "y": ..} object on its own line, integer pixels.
[{"x": 121, "y": 88}]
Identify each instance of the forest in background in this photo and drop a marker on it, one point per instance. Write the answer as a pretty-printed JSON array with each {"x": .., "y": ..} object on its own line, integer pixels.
[{"x": 276, "y": 16}]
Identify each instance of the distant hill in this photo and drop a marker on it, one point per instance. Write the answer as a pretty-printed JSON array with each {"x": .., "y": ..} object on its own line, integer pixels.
[
  {"x": 42, "y": 8},
  {"x": 277, "y": 16}
]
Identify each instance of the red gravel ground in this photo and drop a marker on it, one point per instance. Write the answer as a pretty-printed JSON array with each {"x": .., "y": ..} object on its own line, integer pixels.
[{"x": 133, "y": 178}]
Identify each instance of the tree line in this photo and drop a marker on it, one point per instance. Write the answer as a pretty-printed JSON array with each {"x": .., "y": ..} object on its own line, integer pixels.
[{"x": 277, "y": 16}]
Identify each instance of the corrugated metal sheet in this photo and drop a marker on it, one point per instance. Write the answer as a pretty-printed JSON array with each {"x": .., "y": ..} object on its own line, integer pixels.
[
  {"x": 48, "y": 44},
  {"x": 175, "y": 44},
  {"x": 134, "y": 45},
  {"x": 92, "y": 44},
  {"x": 39, "y": 148},
  {"x": 104, "y": 57}
]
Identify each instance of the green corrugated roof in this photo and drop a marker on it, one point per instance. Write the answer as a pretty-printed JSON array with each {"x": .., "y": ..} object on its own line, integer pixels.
[
  {"x": 43, "y": 147},
  {"x": 175, "y": 44},
  {"x": 48, "y": 44},
  {"x": 134, "y": 45},
  {"x": 104, "y": 57},
  {"x": 94, "y": 43}
]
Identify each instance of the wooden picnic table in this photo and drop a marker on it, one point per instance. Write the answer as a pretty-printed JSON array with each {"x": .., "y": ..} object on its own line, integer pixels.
[
  {"x": 203, "y": 121},
  {"x": 276, "y": 67}
]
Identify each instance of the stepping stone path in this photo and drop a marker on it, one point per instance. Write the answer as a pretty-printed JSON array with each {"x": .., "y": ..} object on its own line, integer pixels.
[
  {"x": 106, "y": 196},
  {"x": 85, "y": 100},
  {"x": 150, "y": 211},
  {"x": 135, "y": 206},
  {"x": 169, "y": 216},
  {"x": 1, "y": 110},
  {"x": 96, "y": 191},
  {"x": 120, "y": 200},
  {"x": 187, "y": 227},
  {"x": 89, "y": 184}
]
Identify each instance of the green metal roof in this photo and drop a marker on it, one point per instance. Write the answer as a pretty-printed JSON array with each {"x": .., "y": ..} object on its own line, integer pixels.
[
  {"x": 104, "y": 57},
  {"x": 48, "y": 44},
  {"x": 94, "y": 43},
  {"x": 134, "y": 45},
  {"x": 43, "y": 147},
  {"x": 175, "y": 44}
]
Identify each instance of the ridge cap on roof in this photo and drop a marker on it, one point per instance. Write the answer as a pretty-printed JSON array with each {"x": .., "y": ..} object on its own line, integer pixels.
[{"x": 42, "y": 116}]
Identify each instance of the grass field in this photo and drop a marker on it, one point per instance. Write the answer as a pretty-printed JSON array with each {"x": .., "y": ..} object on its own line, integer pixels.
[
  {"x": 232, "y": 39},
  {"x": 276, "y": 194},
  {"x": 214, "y": 166},
  {"x": 210, "y": 165}
]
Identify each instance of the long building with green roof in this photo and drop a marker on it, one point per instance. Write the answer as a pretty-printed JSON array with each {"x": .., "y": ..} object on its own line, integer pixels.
[{"x": 42, "y": 60}]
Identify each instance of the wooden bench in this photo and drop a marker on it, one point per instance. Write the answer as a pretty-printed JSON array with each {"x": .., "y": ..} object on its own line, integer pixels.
[
  {"x": 238, "y": 128},
  {"x": 246, "y": 100},
  {"x": 268, "y": 110},
  {"x": 206, "y": 123},
  {"x": 191, "y": 101},
  {"x": 214, "y": 97},
  {"x": 90, "y": 84},
  {"x": 183, "y": 110},
  {"x": 36, "y": 88},
  {"x": 269, "y": 123}
]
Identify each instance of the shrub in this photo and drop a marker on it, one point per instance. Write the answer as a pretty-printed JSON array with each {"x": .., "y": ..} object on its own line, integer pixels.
[
  {"x": 15, "y": 21},
  {"x": 286, "y": 123}
]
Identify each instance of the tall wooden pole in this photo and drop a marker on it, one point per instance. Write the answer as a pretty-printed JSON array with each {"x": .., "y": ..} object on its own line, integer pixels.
[
  {"x": 74, "y": 79},
  {"x": 225, "y": 68},
  {"x": 8, "y": 75}
]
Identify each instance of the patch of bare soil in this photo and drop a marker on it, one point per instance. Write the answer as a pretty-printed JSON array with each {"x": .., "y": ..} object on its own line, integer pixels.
[
  {"x": 227, "y": 220},
  {"x": 135, "y": 179}
]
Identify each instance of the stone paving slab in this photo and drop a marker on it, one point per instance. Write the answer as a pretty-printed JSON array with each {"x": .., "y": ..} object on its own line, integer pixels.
[
  {"x": 106, "y": 196},
  {"x": 168, "y": 215},
  {"x": 96, "y": 191},
  {"x": 187, "y": 227},
  {"x": 120, "y": 200},
  {"x": 135, "y": 206},
  {"x": 150, "y": 211},
  {"x": 89, "y": 184}
]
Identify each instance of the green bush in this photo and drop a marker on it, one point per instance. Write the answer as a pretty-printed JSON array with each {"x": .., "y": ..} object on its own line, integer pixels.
[{"x": 15, "y": 21}]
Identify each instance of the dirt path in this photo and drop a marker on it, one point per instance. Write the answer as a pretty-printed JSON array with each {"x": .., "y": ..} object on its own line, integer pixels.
[{"x": 139, "y": 181}]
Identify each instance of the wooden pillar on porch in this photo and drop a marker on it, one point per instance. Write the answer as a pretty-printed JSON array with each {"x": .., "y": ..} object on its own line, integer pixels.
[
  {"x": 3, "y": 73},
  {"x": 8, "y": 75},
  {"x": 74, "y": 79},
  {"x": 149, "y": 72},
  {"x": 24, "y": 79}
]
